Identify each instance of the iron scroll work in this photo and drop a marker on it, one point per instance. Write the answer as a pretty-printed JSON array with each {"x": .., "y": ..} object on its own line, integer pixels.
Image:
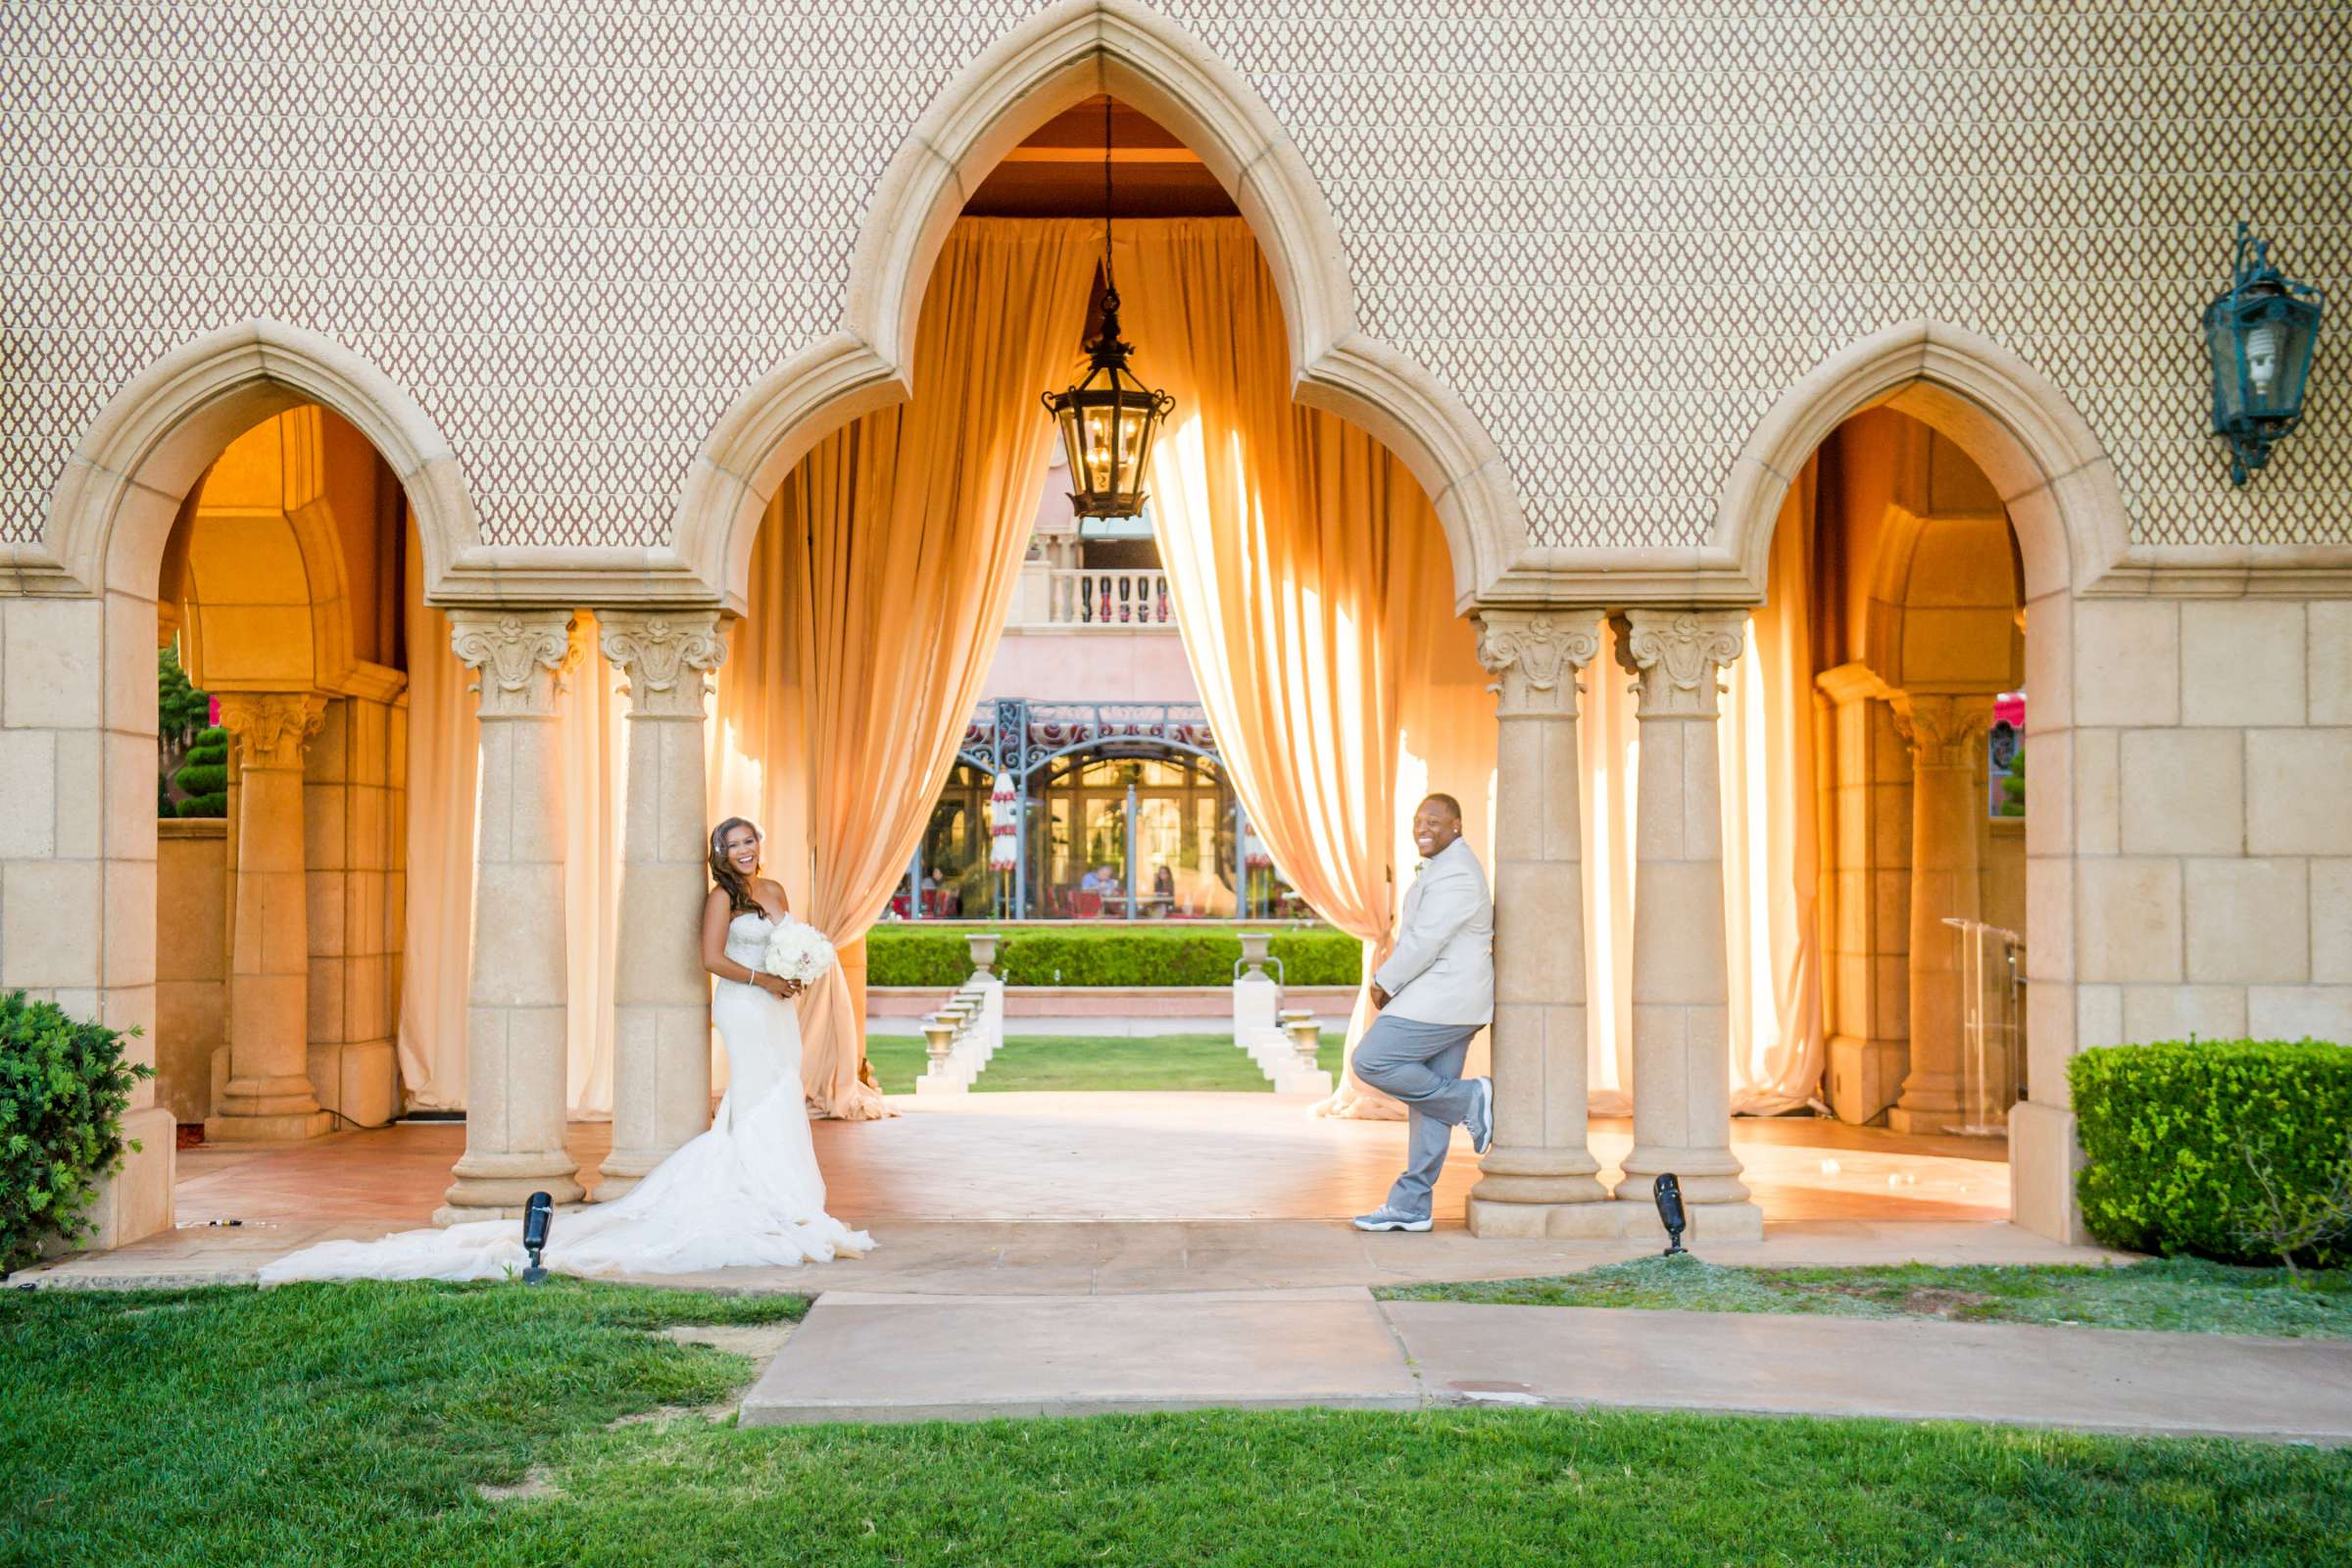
[{"x": 1015, "y": 737}]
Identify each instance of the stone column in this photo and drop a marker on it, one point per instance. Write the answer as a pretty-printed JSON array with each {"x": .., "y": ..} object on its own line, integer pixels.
[
  {"x": 662, "y": 1026},
  {"x": 1947, "y": 812},
  {"x": 1682, "y": 1064},
  {"x": 269, "y": 1096},
  {"x": 1866, "y": 878},
  {"x": 516, "y": 1012},
  {"x": 1540, "y": 1178}
]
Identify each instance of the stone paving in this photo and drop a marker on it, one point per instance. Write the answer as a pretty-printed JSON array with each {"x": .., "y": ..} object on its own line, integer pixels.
[{"x": 874, "y": 1357}]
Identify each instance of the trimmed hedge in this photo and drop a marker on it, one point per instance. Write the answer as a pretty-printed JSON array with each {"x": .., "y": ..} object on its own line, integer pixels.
[
  {"x": 64, "y": 1087},
  {"x": 906, "y": 955},
  {"x": 203, "y": 776},
  {"x": 2167, "y": 1128}
]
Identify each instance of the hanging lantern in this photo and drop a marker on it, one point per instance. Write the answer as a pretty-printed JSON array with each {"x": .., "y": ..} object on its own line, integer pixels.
[
  {"x": 2259, "y": 337},
  {"x": 1109, "y": 418}
]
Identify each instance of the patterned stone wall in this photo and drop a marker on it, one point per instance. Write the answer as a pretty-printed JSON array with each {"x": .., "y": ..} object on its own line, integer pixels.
[{"x": 575, "y": 231}]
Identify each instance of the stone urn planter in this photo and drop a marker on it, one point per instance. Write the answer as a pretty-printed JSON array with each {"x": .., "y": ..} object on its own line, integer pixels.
[{"x": 983, "y": 945}]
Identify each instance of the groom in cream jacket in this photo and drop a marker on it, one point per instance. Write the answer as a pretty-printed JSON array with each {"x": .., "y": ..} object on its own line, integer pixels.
[{"x": 1435, "y": 992}]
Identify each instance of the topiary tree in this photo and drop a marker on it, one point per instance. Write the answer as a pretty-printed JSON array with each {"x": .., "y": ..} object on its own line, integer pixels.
[
  {"x": 181, "y": 709},
  {"x": 203, "y": 779},
  {"x": 64, "y": 1087}
]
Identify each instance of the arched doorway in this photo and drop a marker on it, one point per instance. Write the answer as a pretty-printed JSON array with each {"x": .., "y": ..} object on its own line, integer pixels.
[
  {"x": 1060, "y": 58},
  {"x": 283, "y": 595},
  {"x": 2018, "y": 451},
  {"x": 94, "y": 626},
  {"x": 797, "y": 527}
]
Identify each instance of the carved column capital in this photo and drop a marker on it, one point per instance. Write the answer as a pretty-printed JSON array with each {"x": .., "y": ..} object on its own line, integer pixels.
[
  {"x": 665, "y": 656},
  {"x": 1677, "y": 657},
  {"x": 1537, "y": 657},
  {"x": 1942, "y": 731},
  {"x": 272, "y": 727},
  {"x": 521, "y": 655}
]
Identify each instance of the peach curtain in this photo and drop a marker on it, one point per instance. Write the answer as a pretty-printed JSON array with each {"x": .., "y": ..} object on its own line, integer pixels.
[
  {"x": 1609, "y": 749},
  {"x": 1771, "y": 867},
  {"x": 879, "y": 582},
  {"x": 1313, "y": 590},
  {"x": 437, "y": 937},
  {"x": 592, "y": 719}
]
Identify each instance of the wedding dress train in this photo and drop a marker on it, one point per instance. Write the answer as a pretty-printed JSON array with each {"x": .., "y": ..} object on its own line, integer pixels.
[{"x": 746, "y": 1194}]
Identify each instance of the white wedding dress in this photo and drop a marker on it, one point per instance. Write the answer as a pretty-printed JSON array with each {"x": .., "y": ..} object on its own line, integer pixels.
[{"x": 744, "y": 1194}]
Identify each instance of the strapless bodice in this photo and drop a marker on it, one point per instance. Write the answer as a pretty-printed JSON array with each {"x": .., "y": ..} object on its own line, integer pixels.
[{"x": 747, "y": 939}]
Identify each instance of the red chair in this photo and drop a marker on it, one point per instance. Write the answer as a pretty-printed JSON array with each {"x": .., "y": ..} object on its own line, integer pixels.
[{"x": 1087, "y": 906}]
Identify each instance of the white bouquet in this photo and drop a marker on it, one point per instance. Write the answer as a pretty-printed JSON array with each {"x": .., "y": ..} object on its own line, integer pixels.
[{"x": 798, "y": 951}]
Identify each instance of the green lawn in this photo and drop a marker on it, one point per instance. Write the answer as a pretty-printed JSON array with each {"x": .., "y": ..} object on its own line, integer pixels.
[
  {"x": 353, "y": 1425},
  {"x": 1094, "y": 1061},
  {"x": 2178, "y": 1293}
]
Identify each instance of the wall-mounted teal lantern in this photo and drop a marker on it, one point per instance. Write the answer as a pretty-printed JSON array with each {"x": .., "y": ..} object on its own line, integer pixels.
[{"x": 2259, "y": 337}]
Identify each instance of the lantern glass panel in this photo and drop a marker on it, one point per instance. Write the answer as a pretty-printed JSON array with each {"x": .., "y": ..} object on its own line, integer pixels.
[
  {"x": 1073, "y": 439},
  {"x": 2297, "y": 322},
  {"x": 2223, "y": 331}
]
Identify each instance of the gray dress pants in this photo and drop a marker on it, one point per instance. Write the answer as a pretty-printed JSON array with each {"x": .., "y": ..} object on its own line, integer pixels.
[{"x": 1421, "y": 1065}]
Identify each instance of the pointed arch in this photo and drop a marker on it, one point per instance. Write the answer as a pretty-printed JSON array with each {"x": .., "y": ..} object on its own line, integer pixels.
[
  {"x": 1066, "y": 54},
  {"x": 113, "y": 507},
  {"x": 2053, "y": 476}
]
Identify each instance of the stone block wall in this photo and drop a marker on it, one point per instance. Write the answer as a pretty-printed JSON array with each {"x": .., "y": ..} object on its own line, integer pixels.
[
  {"x": 2190, "y": 837},
  {"x": 191, "y": 962},
  {"x": 77, "y": 849}
]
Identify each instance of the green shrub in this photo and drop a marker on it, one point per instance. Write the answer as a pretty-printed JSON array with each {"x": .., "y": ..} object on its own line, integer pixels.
[
  {"x": 1317, "y": 958},
  {"x": 203, "y": 776},
  {"x": 2168, "y": 1129},
  {"x": 1142, "y": 959},
  {"x": 64, "y": 1087},
  {"x": 907, "y": 956},
  {"x": 1105, "y": 956}
]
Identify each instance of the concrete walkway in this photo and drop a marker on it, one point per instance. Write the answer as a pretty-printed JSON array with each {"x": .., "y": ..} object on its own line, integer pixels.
[{"x": 898, "y": 1358}]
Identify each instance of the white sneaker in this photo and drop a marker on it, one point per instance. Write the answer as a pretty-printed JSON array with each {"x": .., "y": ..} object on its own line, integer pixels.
[
  {"x": 1480, "y": 1125},
  {"x": 1385, "y": 1218}
]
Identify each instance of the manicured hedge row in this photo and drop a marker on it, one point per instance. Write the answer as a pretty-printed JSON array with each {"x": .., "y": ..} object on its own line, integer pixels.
[
  {"x": 2167, "y": 1129},
  {"x": 907, "y": 956}
]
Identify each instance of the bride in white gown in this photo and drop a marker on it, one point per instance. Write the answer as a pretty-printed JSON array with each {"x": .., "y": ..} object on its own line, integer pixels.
[{"x": 746, "y": 1194}]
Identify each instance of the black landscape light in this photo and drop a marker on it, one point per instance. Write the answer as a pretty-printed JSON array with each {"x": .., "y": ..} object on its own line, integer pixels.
[
  {"x": 1669, "y": 1193},
  {"x": 537, "y": 1215}
]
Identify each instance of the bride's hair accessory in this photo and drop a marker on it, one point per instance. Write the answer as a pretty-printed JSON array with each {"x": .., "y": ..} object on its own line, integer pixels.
[{"x": 723, "y": 872}]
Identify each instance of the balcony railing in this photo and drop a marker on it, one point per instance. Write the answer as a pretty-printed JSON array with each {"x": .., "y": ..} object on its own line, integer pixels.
[{"x": 1108, "y": 598}]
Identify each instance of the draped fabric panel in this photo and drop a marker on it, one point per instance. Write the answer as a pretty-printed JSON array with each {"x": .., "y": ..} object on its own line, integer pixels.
[
  {"x": 1771, "y": 866},
  {"x": 1311, "y": 584},
  {"x": 1609, "y": 751},
  {"x": 438, "y": 939},
  {"x": 593, "y": 720},
  {"x": 879, "y": 583}
]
